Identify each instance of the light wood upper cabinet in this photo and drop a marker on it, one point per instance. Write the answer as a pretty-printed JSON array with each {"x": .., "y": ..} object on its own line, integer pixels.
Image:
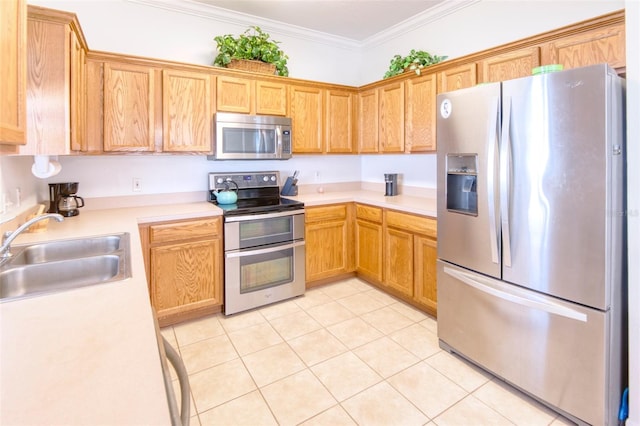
[
  {"x": 129, "y": 110},
  {"x": 588, "y": 48},
  {"x": 456, "y": 78},
  {"x": 391, "y": 118},
  {"x": 13, "y": 73},
  {"x": 233, "y": 94},
  {"x": 329, "y": 241},
  {"x": 368, "y": 121},
  {"x": 305, "y": 110},
  {"x": 186, "y": 111},
  {"x": 509, "y": 65},
  {"x": 340, "y": 121},
  {"x": 56, "y": 89},
  {"x": 420, "y": 114},
  {"x": 271, "y": 98}
]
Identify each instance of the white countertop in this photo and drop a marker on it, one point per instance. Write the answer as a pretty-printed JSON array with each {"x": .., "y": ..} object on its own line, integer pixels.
[{"x": 88, "y": 355}]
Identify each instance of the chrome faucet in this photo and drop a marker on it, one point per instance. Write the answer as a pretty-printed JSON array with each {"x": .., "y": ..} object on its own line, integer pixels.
[{"x": 8, "y": 237}]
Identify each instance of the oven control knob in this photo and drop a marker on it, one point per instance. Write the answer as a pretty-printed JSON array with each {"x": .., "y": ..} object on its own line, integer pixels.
[
  {"x": 273, "y": 178},
  {"x": 219, "y": 180},
  {"x": 265, "y": 178}
]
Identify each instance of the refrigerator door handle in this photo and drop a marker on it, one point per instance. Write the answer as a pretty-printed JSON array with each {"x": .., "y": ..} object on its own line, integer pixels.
[
  {"x": 505, "y": 180},
  {"x": 475, "y": 281},
  {"x": 492, "y": 143}
]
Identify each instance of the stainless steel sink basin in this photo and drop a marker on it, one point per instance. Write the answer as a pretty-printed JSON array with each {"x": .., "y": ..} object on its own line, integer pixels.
[
  {"x": 61, "y": 265},
  {"x": 68, "y": 249}
]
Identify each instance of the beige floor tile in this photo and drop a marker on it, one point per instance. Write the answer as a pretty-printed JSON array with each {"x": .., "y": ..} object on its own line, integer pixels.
[
  {"x": 317, "y": 346},
  {"x": 330, "y": 313},
  {"x": 381, "y": 296},
  {"x": 381, "y": 405},
  {"x": 254, "y": 338},
  {"x": 207, "y": 353},
  {"x": 273, "y": 363},
  {"x": 409, "y": 311},
  {"x": 345, "y": 375},
  {"x": 429, "y": 390},
  {"x": 385, "y": 356},
  {"x": 462, "y": 372},
  {"x": 242, "y": 320},
  {"x": 470, "y": 411},
  {"x": 359, "y": 284},
  {"x": 562, "y": 421},
  {"x": 297, "y": 398},
  {"x": 196, "y": 330},
  {"x": 294, "y": 325},
  {"x": 170, "y": 336},
  {"x": 247, "y": 410},
  {"x": 279, "y": 309},
  {"x": 360, "y": 303},
  {"x": 513, "y": 404},
  {"x": 354, "y": 332},
  {"x": 219, "y": 384},
  {"x": 334, "y": 416},
  {"x": 339, "y": 290},
  {"x": 194, "y": 421},
  {"x": 430, "y": 324},
  {"x": 387, "y": 320},
  {"x": 417, "y": 340},
  {"x": 311, "y": 298}
]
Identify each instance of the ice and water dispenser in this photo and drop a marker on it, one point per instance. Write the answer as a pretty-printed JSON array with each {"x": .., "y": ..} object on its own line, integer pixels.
[{"x": 462, "y": 177}]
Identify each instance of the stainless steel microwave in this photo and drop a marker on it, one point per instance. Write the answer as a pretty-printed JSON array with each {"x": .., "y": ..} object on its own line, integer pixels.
[{"x": 251, "y": 137}]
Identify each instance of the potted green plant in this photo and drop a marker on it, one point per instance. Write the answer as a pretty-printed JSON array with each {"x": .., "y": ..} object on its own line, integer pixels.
[
  {"x": 415, "y": 61},
  {"x": 252, "y": 45}
]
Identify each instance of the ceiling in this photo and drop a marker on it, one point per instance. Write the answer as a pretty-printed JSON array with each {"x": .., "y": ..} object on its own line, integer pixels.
[{"x": 352, "y": 19}]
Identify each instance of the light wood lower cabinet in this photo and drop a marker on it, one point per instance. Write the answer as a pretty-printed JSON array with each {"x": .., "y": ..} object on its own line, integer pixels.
[
  {"x": 369, "y": 243},
  {"x": 329, "y": 242},
  {"x": 184, "y": 268}
]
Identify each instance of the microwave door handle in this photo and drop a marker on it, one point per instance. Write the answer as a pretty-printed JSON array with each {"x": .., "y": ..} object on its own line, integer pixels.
[{"x": 279, "y": 141}]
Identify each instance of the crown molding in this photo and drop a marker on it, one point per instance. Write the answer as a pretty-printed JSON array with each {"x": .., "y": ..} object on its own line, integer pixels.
[
  {"x": 243, "y": 19},
  {"x": 219, "y": 14}
]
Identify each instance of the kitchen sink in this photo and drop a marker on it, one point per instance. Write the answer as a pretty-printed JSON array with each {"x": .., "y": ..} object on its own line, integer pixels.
[
  {"x": 68, "y": 249},
  {"x": 55, "y": 266}
]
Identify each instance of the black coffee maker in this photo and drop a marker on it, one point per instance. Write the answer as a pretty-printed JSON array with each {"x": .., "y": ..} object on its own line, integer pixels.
[{"x": 63, "y": 199}]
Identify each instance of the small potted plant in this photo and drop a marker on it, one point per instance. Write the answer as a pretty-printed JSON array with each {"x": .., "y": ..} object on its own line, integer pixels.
[
  {"x": 254, "y": 45},
  {"x": 415, "y": 61}
]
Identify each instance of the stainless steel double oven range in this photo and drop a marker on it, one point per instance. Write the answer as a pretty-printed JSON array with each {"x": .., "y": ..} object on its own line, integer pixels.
[{"x": 264, "y": 248}]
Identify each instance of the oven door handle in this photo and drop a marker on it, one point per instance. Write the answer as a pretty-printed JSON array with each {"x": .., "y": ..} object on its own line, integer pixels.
[
  {"x": 263, "y": 250},
  {"x": 263, "y": 216}
]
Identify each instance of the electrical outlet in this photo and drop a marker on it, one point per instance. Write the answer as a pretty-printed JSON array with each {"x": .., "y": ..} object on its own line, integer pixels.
[{"x": 137, "y": 184}]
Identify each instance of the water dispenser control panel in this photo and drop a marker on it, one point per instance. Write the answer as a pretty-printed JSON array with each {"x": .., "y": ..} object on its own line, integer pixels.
[{"x": 462, "y": 177}]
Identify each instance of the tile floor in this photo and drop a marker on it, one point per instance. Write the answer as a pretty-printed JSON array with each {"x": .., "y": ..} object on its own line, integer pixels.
[{"x": 342, "y": 354}]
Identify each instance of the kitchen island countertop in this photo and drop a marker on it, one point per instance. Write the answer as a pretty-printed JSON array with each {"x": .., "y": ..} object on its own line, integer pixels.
[{"x": 88, "y": 355}]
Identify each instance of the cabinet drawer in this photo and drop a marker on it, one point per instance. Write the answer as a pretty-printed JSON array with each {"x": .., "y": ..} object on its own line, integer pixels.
[
  {"x": 408, "y": 222},
  {"x": 322, "y": 214},
  {"x": 373, "y": 214},
  {"x": 207, "y": 228}
]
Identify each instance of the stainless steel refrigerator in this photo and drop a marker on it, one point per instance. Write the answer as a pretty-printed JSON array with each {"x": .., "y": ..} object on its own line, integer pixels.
[{"x": 531, "y": 235}]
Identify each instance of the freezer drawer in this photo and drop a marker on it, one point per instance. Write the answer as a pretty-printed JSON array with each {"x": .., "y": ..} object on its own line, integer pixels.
[{"x": 556, "y": 351}]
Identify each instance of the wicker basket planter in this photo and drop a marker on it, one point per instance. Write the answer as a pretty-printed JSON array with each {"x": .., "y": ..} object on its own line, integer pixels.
[{"x": 253, "y": 66}]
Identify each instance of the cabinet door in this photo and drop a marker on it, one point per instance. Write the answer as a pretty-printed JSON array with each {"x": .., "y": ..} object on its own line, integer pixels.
[
  {"x": 420, "y": 110},
  {"x": 425, "y": 256},
  {"x": 398, "y": 264},
  {"x": 369, "y": 250},
  {"x": 233, "y": 94},
  {"x": 588, "y": 48},
  {"x": 183, "y": 276},
  {"x": 340, "y": 121},
  {"x": 391, "y": 130},
  {"x": 510, "y": 65},
  {"x": 78, "y": 95},
  {"x": 128, "y": 107},
  {"x": 13, "y": 72},
  {"x": 48, "y": 88},
  {"x": 186, "y": 111},
  {"x": 305, "y": 110},
  {"x": 327, "y": 249},
  {"x": 271, "y": 98},
  {"x": 457, "y": 78},
  {"x": 368, "y": 121}
]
